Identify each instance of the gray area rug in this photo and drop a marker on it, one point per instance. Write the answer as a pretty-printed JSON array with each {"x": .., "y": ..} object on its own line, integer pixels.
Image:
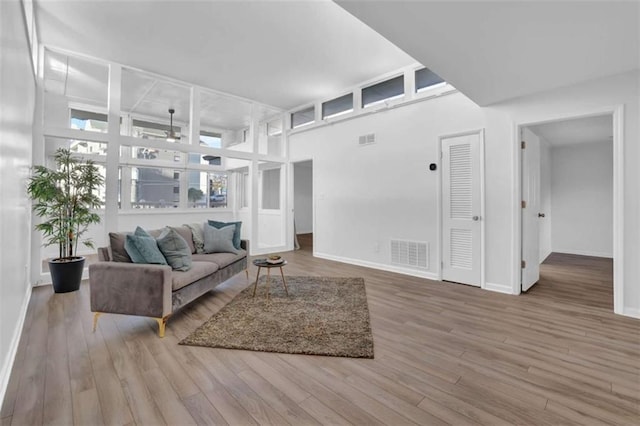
[{"x": 321, "y": 316}]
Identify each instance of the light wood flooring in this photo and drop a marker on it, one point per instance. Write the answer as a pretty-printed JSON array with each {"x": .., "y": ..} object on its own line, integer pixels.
[{"x": 444, "y": 354}]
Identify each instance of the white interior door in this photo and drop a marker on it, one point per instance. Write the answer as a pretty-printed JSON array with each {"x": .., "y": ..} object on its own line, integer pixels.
[
  {"x": 530, "y": 209},
  {"x": 462, "y": 209}
]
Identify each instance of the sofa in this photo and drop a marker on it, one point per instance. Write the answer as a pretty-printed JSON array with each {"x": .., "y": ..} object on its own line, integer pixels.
[{"x": 119, "y": 286}]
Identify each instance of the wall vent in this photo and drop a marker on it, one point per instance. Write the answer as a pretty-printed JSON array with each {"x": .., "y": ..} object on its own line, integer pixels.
[
  {"x": 414, "y": 254},
  {"x": 367, "y": 139}
]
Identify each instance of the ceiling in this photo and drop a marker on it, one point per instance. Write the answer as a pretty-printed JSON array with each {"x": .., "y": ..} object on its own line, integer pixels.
[
  {"x": 598, "y": 129},
  {"x": 498, "y": 50},
  {"x": 280, "y": 53}
]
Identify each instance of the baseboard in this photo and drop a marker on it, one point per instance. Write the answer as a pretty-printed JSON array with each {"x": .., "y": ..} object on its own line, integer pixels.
[
  {"x": 379, "y": 266},
  {"x": 45, "y": 278},
  {"x": 5, "y": 373},
  {"x": 584, "y": 253},
  {"x": 631, "y": 312},
  {"x": 498, "y": 288}
]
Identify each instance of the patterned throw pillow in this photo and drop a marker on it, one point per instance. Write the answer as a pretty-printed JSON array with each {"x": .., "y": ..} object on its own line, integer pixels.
[
  {"x": 219, "y": 240},
  {"x": 198, "y": 236},
  {"x": 236, "y": 232},
  {"x": 175, "y": 249}
]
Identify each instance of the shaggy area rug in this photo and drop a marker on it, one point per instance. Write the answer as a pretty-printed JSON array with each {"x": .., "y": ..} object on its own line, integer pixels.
[{"x": 321, "y": 316}]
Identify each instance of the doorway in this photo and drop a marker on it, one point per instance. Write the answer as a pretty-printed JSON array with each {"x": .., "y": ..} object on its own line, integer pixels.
[
  {"x": 568, "y": 208},
  {"x": 303, "y": 205}
]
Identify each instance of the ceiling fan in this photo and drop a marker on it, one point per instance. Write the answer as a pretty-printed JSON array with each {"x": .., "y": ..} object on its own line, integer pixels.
[{"x": 172, "y": 136}]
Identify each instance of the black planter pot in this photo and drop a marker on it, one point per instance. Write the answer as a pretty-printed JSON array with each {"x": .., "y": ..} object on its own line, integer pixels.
[{"x": 66, "y": 273}]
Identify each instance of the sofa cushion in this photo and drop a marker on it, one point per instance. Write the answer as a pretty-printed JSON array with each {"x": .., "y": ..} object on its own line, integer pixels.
[
  {"x": 221, "y": 259},
  {"x": 116, "y": 243},
  {"x": 198, "y": 270},
  {"x": 175, "y": 249},
  {"x": 236, "y": 231},
  {"x": 219, "y": 240},
  {"x": 197, "y": 235}
]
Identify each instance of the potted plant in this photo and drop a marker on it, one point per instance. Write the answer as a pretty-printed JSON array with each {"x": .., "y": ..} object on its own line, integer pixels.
[{"x": 65, "y": 199}]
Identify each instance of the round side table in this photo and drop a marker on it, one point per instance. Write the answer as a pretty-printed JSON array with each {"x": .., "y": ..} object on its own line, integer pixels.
[{"x": 264, "y": 264}]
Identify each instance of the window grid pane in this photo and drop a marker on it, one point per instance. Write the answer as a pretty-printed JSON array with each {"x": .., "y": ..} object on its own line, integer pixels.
[
  {"x": 340, "y": 105},
  {"x": 379, "y": 92},
  {"x": 302, "y": 117},
  {"x": 426, "y": 78}
]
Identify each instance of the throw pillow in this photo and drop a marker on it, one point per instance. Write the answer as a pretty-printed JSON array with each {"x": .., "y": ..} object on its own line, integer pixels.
[
  {"x": 197, "y": 236},
  {"x": 142, "y": 248},
  {"x": 219, "y": 240},
  {"x": 116, "y": 243},
  {"x": 236, "y": 232},
  {"x": 175, "y": 249}
]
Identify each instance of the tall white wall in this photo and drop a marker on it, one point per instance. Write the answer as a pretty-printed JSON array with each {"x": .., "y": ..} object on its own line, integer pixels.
[
  {"x": 17, "y": 99},
  {"x": 582, "y": 199},
  {"x": 303, "y": 197},
  {"x": 546, "y": 223},
  {"x": 367, "y": 195}
]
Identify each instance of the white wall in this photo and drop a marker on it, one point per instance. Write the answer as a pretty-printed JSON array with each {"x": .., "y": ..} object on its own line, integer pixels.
[
  {"x": 303, "y": 196},
  {"x": 502, "y": 200},
  {"x": 582, "y": 199},
  {"x": 17, "y": 99},
  {"x": 367, "y": 195}
]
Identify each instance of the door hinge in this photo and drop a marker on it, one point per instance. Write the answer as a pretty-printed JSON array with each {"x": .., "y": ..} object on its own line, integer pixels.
[
  {"x": 523, "y": 264},
  {"x": 523, "y": 144},
  {"x": 523, "y": 204}
]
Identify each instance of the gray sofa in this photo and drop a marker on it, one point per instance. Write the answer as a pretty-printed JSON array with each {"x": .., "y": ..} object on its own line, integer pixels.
[{"x": 118, "y": 286}]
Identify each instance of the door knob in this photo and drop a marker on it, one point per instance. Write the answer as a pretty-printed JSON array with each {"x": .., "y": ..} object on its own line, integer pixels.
[
  {"x": 540, "y": 214},
  {"x": 476, "y": 218}
]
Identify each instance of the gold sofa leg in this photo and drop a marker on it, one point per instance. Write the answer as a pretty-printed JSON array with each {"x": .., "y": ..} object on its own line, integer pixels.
[
  {"x": 95, "y": 320},
  {"x": 246, "y": 271},
  {"x": 162, "y": 322}
]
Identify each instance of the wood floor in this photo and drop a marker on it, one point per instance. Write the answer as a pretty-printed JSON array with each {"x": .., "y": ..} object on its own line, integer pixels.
[{"x": 444, "y": 354}]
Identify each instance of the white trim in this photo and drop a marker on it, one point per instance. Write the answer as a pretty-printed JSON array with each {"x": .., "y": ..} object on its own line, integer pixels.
[
  {"x": 379, "y": 266},
  {"x": 498, "y": 288},
  {"x": 7, "y": 366},
  {"x": 631, "y": 312},
  {"x": 583, "y": 253},
  {"x": 617, "y": 111}
]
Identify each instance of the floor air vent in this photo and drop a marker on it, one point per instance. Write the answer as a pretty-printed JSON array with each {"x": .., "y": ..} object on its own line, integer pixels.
[
  {"x": 414, "y": 254},
  {"x": 367, "y": 139}
]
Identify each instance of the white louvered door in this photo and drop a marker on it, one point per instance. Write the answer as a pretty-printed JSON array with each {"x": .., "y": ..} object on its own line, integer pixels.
[{"x": 462, "y": 209}]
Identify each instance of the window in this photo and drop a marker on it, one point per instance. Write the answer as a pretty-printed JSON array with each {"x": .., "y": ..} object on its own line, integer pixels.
[
  {"x": 207, "y": 189},
  {"x": 338, "y": 106},
  {"x": 425, "y": 78},
  {"x": 243, "y": 189},
  {"x": 377, "y": 93},
  {"x": 210, "y": 139},
  {"x": 274, "y": 127},
  {"x": 88, "y": 121},
  {"x": 149, "y": 130},
  {"x": 303, "y": 117},
  {"x": 154, "y": 188},
  {"x": 271, "y": 189}
]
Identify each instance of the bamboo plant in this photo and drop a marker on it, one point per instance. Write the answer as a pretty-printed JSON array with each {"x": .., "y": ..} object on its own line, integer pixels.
[{"x": 65, "y": 198}]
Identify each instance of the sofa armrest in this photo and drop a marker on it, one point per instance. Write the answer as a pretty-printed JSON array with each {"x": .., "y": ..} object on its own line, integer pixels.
[
  {"x": 130, "y": 288},
  {"x": 244, "y": 244}
]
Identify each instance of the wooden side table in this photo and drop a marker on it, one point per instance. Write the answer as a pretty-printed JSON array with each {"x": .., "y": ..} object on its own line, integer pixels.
[{"x": 264, "y": 264}]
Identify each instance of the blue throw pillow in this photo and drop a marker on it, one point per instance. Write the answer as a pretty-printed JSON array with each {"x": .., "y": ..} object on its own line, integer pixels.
[
  {"x": 175, "y": 249},
  {"x": 219, "y": 240},
  {"x": 236, "y": 232},
  {"x": 142, "y": 248}
]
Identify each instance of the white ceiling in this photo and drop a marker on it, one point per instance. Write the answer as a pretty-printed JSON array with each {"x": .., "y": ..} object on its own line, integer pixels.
[
  {"x": 284, "y": 53},
  {"x": 598, "y": 129},
  {"x": 497, "y": 50}
]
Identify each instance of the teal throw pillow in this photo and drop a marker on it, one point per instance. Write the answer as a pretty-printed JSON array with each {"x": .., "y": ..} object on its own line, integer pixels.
[
  {"x": 236, "y": 232},
  {"x": 131, "y": 249},
  {"x": 143, "y": 249},
  {"x": 219, "y": 240},
  {"x": 175, "y": 249}
]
